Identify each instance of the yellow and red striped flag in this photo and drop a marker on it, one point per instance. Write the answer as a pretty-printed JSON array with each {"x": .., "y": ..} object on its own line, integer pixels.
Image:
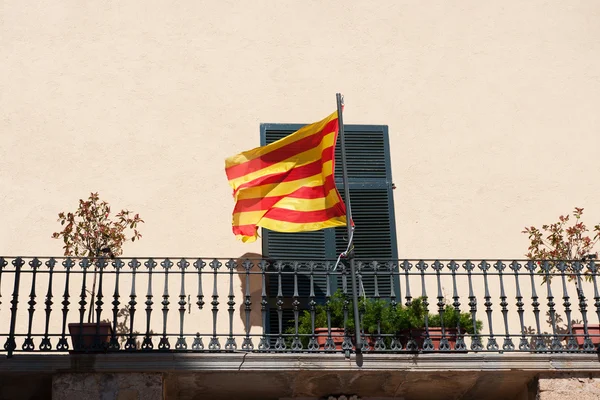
[{"x": 288, "y": 185}]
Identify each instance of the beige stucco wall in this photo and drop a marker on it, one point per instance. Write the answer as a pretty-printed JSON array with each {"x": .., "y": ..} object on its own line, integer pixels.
[{"x": 492, "y": 111}]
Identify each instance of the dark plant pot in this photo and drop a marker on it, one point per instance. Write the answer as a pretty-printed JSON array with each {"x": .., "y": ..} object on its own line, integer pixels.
[
  {"x": 435, "y": 333},
  {"x": 593, "y": 329},
  {"x": 90, "y": 337}
]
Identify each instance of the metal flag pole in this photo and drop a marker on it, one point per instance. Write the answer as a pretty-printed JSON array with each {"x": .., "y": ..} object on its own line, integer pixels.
[{"x": 350, "y": 253}]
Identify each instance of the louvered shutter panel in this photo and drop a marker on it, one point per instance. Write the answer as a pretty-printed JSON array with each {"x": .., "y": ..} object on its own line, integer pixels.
[{"x": 370, "y": 180}]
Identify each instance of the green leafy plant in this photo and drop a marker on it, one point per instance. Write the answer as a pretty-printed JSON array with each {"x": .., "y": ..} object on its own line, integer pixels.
[
  {"x": 566, "y": 240},
  {"x": 413, "y": 317},
  {"x": 453, "y": 318},
  {"x": 391, "y": 319},
  {"x": 336, "y": 312},
  {"x": 91, "y": 232},
  {"x": 382, "y": 317}
]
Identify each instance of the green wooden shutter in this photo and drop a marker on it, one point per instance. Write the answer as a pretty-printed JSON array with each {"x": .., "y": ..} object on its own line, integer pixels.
[{"x": 372, "y": 202}]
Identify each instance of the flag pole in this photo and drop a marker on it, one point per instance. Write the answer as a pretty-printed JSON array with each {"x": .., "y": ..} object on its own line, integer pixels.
[{"x": 350, "y": 253}]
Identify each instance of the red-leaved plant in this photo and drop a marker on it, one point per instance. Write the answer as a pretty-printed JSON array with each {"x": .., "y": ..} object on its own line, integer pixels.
[
  {"x": 567, "y": 240},
  {"x": 91, "y": 232}
]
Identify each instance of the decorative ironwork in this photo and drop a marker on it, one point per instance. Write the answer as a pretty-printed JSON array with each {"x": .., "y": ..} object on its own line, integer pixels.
[{"x": 295, "y": 311}]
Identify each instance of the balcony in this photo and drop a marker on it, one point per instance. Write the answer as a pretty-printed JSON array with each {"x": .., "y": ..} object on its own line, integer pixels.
[{"x": 515, "y": 319}]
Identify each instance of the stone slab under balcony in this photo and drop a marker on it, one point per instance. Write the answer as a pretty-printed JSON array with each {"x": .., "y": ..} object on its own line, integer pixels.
[{"x": 276, "y": 376}]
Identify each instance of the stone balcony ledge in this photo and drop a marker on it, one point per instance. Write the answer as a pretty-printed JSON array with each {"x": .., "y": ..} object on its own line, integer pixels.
[
  {"x": 241, "y": 361},
  {"x": 268, "y": 376}
]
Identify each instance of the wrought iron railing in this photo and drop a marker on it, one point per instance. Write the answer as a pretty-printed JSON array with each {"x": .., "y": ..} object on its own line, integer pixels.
[{"x": 82, "y": 305}]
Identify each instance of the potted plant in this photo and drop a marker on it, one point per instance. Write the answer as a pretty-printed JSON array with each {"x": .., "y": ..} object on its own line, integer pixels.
[
  {"x": 383, "y": 321},
  {"x": 377, "y": 317},
  {"x": 91, "y": 234},
  {"x": 411, "y": 325},
  {"x": 321, "y": 331},
  {"x": 560, "y": 248}
]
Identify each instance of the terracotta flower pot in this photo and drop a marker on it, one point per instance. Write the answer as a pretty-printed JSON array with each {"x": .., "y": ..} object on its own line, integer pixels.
[
  {"x": 593, "y": 329},
  {"x": 84, "y": 337},
  {"x": 435, "y": 334},
  {"x": 337, "y": 334}
]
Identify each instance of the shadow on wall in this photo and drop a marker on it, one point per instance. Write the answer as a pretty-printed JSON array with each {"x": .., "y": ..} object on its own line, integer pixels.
[
  {"x": 255, "y": 281},
  {"x": 272, "y": 281}
]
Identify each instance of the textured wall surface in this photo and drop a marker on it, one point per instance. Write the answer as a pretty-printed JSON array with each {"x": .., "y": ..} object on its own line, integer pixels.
[
  {"x": 492, "y": 111},
  {"x": 569, "y": 386},
  {"x": 134, "y": 386}
]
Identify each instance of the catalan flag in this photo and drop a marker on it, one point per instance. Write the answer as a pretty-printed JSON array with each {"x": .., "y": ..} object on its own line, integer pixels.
[{"x": 288, "y": 185}]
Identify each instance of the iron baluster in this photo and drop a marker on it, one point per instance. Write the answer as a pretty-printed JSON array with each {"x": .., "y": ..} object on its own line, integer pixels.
[
  {"x": 329, "y": 343},
  {"x": 247, "y": 343},
  {"x": 296, "y": 343},
  {"x": 214, "y": 341},
  {"x": 147, "y": 344},
  {"x": 476, "y": 344},
  {"x": 181, "y": 343},
  {"x": 460, "y": 340},
  {"x": 441, "y": 303},
  {"x": 197, "y": 343},
  {"x": 406, "y": 267},
  {"x": 164, "y": 344},
  {"x": 508, "y": 344},
  {"x": 45, "y": 345},
  {"x": 394, "y": 297},
  {"x": 379, "y": 343},
  {"x": 10, "y": 344},
  {"x": 555, "y": 343},
  {"x": 571, "y": 342},
  {"x": 427, "y": 343},
  {"x": 359, "y": 267},
  {"x": 100, "y": 266},
  {"x": 114, "y": 345},
  {"x": 131, "y": 342},
  {"x": 230, "y": 343},
  {"x": 313, "y": 345},
  {"x": 264, "y": 343},
  {"x": 588, "y": 345},
  {"x": 540, "y": 344},
  {"x": 594, "y": 270},
  {"x": 492, "y": 344},
  {"x": 84, "y": 264},
  {"x": 411, "y": 344},
  {"x": 347, "y": 341},
  {"x": 279, "y": 343},
  {"x": 199, "y": 264},
  {"x": 395, "y": 344},
  {"x": 28, "y": 342},
  {"x": 63, "y": 344},
  {"x": 523, "y": 343}
]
